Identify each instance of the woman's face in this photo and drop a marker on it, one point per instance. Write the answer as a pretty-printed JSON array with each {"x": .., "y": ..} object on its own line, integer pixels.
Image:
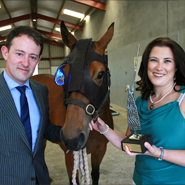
[{"x": 161, "y": 66}]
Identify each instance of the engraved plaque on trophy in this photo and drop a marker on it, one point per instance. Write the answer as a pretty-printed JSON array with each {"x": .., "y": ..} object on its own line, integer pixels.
[{"x": 134, "y": 141}]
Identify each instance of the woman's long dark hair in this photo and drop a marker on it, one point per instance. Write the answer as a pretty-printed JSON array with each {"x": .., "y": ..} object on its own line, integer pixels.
[{"x": 145, "y": 86}]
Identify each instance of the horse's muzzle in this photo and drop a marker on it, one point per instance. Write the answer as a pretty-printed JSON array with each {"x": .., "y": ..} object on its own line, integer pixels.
[{"x": 75, "y": 143}]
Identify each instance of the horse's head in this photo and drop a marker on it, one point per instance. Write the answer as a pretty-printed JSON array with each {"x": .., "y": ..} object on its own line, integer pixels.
[{"x": 86, "y": 80}]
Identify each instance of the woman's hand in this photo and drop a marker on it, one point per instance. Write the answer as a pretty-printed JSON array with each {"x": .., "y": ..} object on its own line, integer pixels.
[
  {"x": 99, "y": 125},
  {"x": 152, "y": 151}
]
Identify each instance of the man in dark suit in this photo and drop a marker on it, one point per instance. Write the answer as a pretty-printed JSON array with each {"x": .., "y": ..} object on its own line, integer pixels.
[{"x": 22, "y": 162}]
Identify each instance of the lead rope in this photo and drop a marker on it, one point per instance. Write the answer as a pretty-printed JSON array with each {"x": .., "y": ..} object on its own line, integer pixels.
[{"x": 81, "y": 164}]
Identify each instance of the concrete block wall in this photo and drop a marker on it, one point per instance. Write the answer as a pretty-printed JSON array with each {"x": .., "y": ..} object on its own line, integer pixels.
[{"x": 136, "y": 22}]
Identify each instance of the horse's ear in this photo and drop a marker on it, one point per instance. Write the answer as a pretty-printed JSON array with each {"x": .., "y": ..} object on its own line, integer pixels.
[
  {"x": 67, "y": 37},
  {"x": 101, "y": 45}
]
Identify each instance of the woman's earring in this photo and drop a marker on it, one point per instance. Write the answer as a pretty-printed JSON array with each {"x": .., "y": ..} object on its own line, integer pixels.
[{"x": 174, "y": 78}]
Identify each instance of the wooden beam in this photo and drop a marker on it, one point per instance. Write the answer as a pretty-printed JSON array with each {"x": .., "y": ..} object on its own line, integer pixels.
[
  {"x": 52, "y": 58},
  {"x": 38, "y": 16},
  {"x": 53, "y": 43},
  {"x": 92, "y": 3},
  {"x": 2, "y": 1},
  {"x": 49, "y": 57},
  {"x": 57, "y": 21},
  {"x": 33, "y": 6},
  {"x": 73, "y": 26},
  {"x": 49, "y": 34},
  {"x": 2, "y": 38},
  {"x": 43, "y": 68},
  {"x": 59, "y": 13},
  {"x": 13, "y": 20}
]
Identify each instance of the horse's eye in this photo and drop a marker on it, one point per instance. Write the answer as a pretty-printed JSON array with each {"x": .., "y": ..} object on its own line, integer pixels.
[{"x": 101, "y": 74}]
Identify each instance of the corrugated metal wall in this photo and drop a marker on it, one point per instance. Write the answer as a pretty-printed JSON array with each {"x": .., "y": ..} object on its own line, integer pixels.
[
  {"x": 56, "y": 62},
  {"x": 2, "y": 63},
  {"x": 44, "y": 64},
  {"x": 56, "y": 53},
  {"x": 45, "y": 52}
]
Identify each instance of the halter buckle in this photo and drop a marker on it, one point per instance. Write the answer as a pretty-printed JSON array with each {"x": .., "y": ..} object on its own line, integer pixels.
[
  {"x": 90, "y": 109},
  {"x": 95, "y": 116}
]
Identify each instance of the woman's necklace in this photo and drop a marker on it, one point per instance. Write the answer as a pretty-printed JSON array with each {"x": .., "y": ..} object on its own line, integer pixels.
[{"x": 153, "y": 103}]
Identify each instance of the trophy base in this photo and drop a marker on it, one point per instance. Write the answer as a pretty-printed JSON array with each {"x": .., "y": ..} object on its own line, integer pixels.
[{"x": 136, "y": 142}]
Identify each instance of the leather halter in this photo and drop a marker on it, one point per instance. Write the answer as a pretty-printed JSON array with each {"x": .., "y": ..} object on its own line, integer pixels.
[
  {"x": 89, "y": 108},
  {"x": 79, "y": 79}
]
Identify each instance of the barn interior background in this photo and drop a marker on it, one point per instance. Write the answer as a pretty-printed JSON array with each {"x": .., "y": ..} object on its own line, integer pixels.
[{"x": 136, "y": 22}]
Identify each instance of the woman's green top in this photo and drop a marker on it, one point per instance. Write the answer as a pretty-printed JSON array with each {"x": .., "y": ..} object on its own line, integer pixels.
[{"x": 166, "y": 124}]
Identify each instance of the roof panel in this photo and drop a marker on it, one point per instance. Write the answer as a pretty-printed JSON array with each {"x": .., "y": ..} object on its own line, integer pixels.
[
  {"x": 49, "y": 8},
  {"x": 18, "y": 8},
  {"x": 22, "y": 23},
  {"x": 77, "y": 7},
  {"x": 3, "y": 14},
  {"x": 47, "y": 13},
  {"x": 68, "y": 18},
  {"x": 44, "y": 25}
]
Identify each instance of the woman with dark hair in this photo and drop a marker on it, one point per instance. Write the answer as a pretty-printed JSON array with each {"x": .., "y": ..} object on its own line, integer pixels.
[
  {"x": 161, "y": 109},
  {"x": 145, "y": 85}
]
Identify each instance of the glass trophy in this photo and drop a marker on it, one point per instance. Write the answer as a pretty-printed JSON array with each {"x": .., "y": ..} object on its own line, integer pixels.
[{"x": 134, "y": 141}]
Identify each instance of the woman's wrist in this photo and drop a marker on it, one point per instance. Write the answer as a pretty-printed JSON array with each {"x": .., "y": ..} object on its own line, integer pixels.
[
  {"x": 160, "y": 158},
  {"x": 106, "y": 130}
]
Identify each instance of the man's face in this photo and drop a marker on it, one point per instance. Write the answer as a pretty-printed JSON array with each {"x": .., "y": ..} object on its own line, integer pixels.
[{"x": 21, "y": 58}]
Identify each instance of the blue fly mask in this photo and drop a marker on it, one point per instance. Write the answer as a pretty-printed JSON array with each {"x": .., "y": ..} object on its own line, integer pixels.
[{"x": 79, "y": 79}]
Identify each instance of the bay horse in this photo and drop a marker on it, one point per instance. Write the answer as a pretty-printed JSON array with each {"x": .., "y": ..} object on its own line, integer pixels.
[{"x": 84, "y": 95}]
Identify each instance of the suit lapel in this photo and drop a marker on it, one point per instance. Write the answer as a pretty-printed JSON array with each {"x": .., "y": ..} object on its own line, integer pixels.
[
  {"x": 40, "y": 102},
  {"x": 8, "y": 106}
]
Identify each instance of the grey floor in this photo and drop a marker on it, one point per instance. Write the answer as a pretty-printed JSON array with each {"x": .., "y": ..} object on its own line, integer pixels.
[{"x": 116, "y": 167}]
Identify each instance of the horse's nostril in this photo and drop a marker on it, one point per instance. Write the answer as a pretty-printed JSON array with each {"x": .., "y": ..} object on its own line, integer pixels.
[{"x": 81, "y": 140}]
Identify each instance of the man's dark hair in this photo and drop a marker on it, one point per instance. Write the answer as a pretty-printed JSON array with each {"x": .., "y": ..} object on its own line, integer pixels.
[{"x": 25, "y": 30}]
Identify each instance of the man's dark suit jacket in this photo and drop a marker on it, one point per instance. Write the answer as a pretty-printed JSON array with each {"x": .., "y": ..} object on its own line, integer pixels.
[{"x": 18, "y": 164}]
